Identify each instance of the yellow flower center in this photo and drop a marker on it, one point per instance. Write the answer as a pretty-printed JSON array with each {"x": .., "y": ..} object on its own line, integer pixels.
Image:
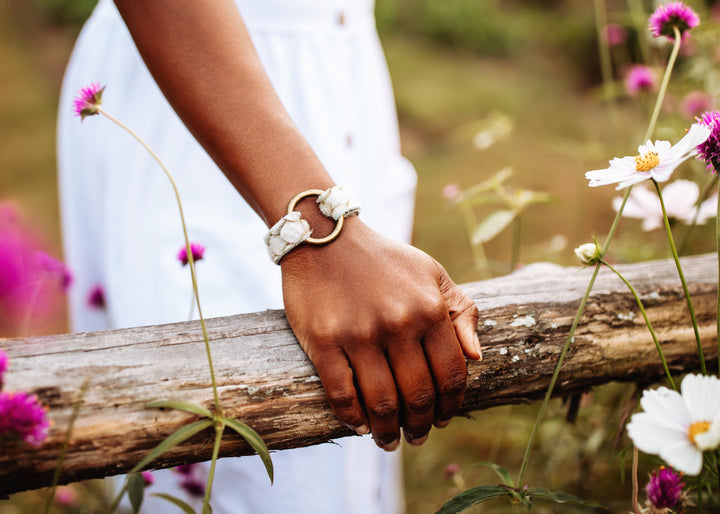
[
  {"x": 646, "y": 162},
  {"x": 699, "y": 427}
]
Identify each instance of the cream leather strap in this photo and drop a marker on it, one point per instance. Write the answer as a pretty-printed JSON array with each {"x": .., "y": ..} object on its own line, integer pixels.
[{"x": 291, "y": 230}]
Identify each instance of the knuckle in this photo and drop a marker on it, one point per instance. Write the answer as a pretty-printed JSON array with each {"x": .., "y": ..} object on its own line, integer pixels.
[
  {"x": 453, "y": 385},
  {"x": 421, "y": 402},
  {"x": 341, "y": 399},
  {"x": 384, "y": 410},
  {"x": 434, "y": 309}
]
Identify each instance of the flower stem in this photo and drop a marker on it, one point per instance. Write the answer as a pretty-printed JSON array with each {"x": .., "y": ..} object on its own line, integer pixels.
[
  {"x": 701, "y": 198},
  {"x": 635, "y": 486},
  {"x": 671, "y": 241},
  {"x": 664, "y": 84},
  {"x": 647, "y": 322},
  {"x": 569, "y": 340},
  {"x": 66, "y": 442},
  {"x": 515, "y": 248},
  {"x": 191, "y": 261},
  {"x": 638, "y": 17},
  {"x": 605, "y": 62},
  {"x": 219, "y": 427},
  {"x": 717, "y": 311}
]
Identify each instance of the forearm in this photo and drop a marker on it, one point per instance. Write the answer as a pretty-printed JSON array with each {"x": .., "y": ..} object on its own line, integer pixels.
[{"x": 202, "y": 58}]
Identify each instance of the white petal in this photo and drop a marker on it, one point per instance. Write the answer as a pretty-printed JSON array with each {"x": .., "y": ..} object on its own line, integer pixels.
[
  {"x": 649, "y": 224},
  {"x": 683, "y": 456},
  {"x": 650, "y": 436},
  {"x": 697, "y": 134},
  {"x": 708, "y": 209},
  {"x": 702, "y": 396},
  {"x": 709, "y": 440},
  {"x": 667, "y": 407},
  {"x": 635, "y": 178},
  {"x": 662, "y": 147}
]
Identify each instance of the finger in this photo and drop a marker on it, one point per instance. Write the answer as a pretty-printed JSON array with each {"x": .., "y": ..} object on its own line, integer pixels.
[
  {"x": 416, "y": 388},
  {"x": 379, "y": 394},
  {"x": 463, "y": 313},
  {"x": 337, "y": 379},
  {"x": 447, "y": 365}
]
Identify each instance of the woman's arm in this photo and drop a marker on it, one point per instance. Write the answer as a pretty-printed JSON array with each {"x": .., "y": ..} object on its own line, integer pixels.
[{"x": 384, "y": 325}]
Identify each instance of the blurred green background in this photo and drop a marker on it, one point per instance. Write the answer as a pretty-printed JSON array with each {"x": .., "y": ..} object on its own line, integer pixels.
[{"x": 481, "y": 85}]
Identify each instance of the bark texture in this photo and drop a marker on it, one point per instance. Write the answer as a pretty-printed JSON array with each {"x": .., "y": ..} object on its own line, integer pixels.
[{"x": 266, "y": 381}]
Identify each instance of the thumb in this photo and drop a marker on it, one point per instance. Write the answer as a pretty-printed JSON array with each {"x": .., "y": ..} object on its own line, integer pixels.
[{"x": 463, "y": 314}]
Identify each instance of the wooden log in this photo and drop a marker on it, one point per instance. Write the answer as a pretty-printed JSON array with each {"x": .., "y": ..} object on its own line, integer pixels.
[{"x": 266, "y": 381}]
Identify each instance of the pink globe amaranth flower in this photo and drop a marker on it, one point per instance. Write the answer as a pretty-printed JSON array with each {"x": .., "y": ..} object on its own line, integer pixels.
[
  {"x": 3, "y": 365},
  {"x": 198, "y": 251},
  {"x": 148, "y": 478},
  {"x": 452, "y": 469},
  {"x": 22, "y": 418},
  {"x": 640, "y": 78},
  {"x": 185, "y": 469},
  {"x": 665, "y": 488},
  {"x": 672, "y": 14},
  {"x": 615, "y": 34},
  {"x": 96, "y": 298},
  {"x": 451, "y": 191},
  {"x": 66, "y": 496},
  {"x": 87, "y": 101},
  {"x": 193, "y": 487},
  {"x": 25, "y": 291},
  {"x": 696, "y": 102},
  {"x": 709, "y": 151},
  {"x": 55, "y": 269}
]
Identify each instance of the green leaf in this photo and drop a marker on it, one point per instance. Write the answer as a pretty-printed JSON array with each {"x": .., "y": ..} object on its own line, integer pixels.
[
  {"x": 501, "y": 471},
  {"x": 473, "y": 496},
  {"x": 185, "y": 406},
  {"x": 172, "y": 440},
  {"x": 176, "y": 501},
  {"x": 560, "y": 497},
  {"x": 492, "y": 226},
  {"x": 136, "y": 490},
  {"x": 524, "y": 197},
  {"x": 479, "y": 198},
  {"x": 255, "y": 441}
]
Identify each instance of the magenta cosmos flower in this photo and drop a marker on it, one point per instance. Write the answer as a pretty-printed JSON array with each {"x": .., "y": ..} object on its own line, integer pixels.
[
  {"x": 87, "y": 101},
  {"x": 197, "y": 250},
  {"x": 670, "y": 15},
  {"x": 664, "y": 490},
  {"x": 709, "y": 150},
  {"x": 640, "y": 78},
  {"x": 22, "y": 418}
]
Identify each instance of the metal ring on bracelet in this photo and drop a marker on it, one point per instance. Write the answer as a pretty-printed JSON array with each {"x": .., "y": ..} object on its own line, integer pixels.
[{"x": 316, "y": 240}]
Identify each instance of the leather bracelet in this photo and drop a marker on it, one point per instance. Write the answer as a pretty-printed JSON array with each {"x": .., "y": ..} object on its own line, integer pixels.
[{"x": 291, "y": 230}]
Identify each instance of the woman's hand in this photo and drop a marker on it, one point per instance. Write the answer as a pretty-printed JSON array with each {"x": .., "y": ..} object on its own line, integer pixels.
[{"x": 387, "y": 330}]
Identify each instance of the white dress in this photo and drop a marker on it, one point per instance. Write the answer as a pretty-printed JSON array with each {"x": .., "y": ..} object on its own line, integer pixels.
[{"x": 122, "y": 230}]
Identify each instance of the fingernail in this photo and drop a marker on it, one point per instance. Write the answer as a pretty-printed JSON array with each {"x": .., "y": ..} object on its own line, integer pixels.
[
  {"x": 416, "y": 442},
  {"x": 391, "y": 447},
  {"x": 361, "y": 430},
  {"x": 476, "y": 341},
  {"x": 442, "y": 424}
]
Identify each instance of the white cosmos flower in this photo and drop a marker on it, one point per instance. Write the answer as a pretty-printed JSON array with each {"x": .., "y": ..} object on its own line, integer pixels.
[
  {"x": 654, "y": 161},
  {"x": 679, "y": 427},
  {"x": 680, "y": 198}
]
